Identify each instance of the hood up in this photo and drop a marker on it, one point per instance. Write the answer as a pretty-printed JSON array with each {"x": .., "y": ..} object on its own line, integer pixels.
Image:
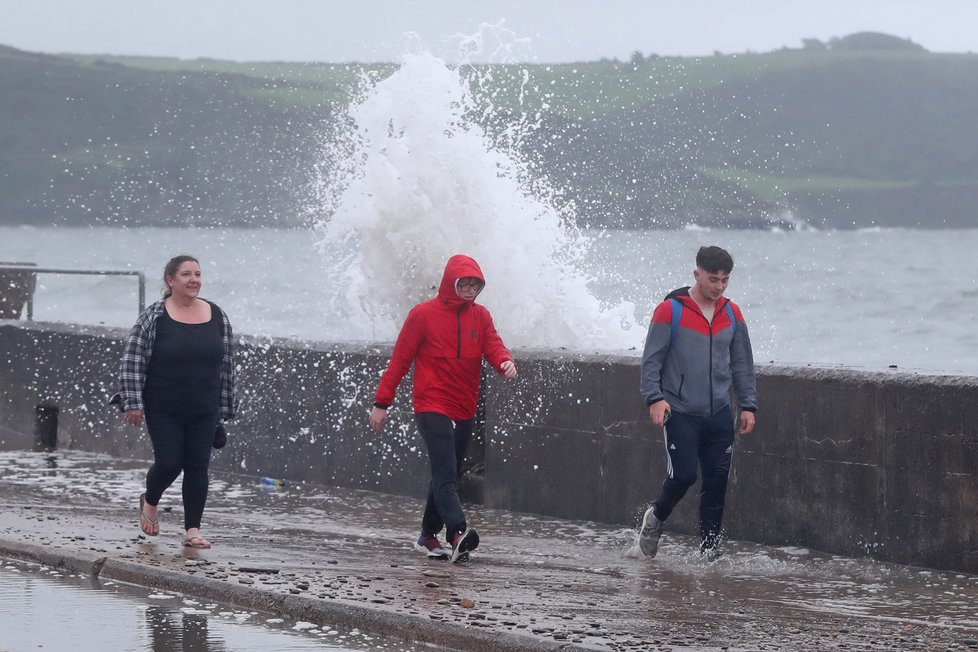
[{"x": 458, "y": 266}]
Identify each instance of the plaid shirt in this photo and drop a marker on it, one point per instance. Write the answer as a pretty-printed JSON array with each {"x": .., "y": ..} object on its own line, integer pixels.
[{"x": 139, "y": 349}]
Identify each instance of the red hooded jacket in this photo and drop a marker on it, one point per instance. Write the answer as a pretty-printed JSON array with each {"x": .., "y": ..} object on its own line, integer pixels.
[{"x": 445, "y": 338}]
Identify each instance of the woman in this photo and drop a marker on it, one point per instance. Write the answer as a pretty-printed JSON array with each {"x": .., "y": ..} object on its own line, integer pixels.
[
  {"x": 177, "y": 372},
  {"x": 445, "y": 338}
]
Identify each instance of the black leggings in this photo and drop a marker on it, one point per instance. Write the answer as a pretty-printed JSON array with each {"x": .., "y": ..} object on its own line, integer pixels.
[{"x": 181, "y": 443}]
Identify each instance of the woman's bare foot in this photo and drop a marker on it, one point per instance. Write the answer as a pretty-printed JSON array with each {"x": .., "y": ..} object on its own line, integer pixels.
[
  {"x": 192, "y": 539},
  {"x": 149, "y": 521}
]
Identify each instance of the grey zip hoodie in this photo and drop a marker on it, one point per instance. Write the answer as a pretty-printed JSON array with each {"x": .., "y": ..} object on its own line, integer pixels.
[{"x": 693, "y": 372}]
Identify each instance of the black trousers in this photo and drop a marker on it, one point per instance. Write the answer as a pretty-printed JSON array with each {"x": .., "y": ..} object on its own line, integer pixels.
[
  {"x": 706, "y": 442},
  {"x": 447, "y": 442},
  {"x": 181, "y": 443}
]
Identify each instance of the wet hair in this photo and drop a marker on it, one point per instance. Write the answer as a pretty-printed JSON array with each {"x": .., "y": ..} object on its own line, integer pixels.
[
  {"x": 714, "y": 259},
  {"x": 171, "y": 269}
]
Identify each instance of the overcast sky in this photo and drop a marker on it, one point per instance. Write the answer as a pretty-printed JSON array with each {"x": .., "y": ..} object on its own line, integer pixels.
[{"x": 548, "y": 30}]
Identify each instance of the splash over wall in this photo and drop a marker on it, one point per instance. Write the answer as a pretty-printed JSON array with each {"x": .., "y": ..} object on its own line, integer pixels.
[{"x": 418, "y": 178}]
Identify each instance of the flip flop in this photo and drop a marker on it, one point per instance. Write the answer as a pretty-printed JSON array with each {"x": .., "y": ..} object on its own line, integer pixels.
[
  {"x": 196, "y": 542},
  {"x": 147, "y": 524}
]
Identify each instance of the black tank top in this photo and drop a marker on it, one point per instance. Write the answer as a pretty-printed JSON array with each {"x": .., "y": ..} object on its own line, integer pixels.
[{"x": 184, "y": 372}]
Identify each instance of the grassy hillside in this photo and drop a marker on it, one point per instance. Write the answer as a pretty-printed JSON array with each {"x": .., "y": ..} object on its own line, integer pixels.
[
  {"x": 824, "y": 133},
  {"x": 842, "y": 137},
  {"x": 90, "y": 142}
]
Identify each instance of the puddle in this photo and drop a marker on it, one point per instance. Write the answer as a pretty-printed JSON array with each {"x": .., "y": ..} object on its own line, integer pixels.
[{"x": 42, "y": 608}]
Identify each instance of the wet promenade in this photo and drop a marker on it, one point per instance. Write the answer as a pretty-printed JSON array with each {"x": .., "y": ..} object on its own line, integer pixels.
[{"x": 331, "y": 555}]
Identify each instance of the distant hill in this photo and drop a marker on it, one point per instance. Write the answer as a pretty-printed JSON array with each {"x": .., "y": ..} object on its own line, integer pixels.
[
  {"x": 873, "y": 41},
  {"x": 840, "y": 138},
  {"x": 867, "y": 129},
  {"x": 104, "y": 142}
]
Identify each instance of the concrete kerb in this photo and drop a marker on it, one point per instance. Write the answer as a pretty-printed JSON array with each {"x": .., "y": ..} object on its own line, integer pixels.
[
  {"x": 76, "y": 561},
  {"x": 299, "y": 607}
]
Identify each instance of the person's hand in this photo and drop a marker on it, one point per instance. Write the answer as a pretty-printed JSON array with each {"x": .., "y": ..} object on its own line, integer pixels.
[
  {"x": 658, "y": 412},
  {"x": 377, "y": 418},
  {"x": 508, "y": 368},
  {"x": 133, "y": 417},
  {"x": 747, "y": 421}
]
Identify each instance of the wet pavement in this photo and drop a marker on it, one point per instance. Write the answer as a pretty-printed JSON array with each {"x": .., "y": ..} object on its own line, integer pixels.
[
  {"x": 326, "y": 555},
  {"x": 52, "y": 609}
]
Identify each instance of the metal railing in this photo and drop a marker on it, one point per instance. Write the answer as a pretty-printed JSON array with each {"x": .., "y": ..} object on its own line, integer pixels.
[{"x": 29, "y": 269}]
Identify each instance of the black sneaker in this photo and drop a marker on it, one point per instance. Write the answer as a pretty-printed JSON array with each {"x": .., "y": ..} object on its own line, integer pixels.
[
  {"x": 648, "y": 536},
  {"x": 710, "y": 550},
  {"x": 463, "y": 543}
]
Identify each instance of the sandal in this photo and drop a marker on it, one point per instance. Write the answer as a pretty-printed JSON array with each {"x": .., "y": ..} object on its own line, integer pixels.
[
  {"x": 196, "y": 542},
  {"x": 149, "y": 526}
]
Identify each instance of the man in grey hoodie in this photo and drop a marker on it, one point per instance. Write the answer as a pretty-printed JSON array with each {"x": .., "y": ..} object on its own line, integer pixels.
[{"x": 696, "y": 347}]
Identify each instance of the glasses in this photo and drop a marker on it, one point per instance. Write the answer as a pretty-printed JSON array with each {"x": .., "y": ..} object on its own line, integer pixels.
[{"x": 469, "y": 285}]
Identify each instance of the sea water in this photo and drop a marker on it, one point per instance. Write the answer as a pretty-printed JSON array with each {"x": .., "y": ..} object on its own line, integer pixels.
[{"x": 866, "y": 299}]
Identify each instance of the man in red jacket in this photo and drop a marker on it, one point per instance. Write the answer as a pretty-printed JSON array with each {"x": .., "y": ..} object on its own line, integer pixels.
[{"x": 446, "y": 338}]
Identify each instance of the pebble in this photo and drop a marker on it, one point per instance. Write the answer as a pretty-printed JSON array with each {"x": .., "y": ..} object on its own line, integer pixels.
[{"x": 467, "y": 603}]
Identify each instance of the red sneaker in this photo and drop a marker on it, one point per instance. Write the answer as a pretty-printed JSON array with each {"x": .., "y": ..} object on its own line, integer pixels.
[{"x": 431, "y": 546}]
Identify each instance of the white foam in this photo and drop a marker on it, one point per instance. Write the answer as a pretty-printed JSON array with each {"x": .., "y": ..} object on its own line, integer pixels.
[{"x": 421, "y": 180}]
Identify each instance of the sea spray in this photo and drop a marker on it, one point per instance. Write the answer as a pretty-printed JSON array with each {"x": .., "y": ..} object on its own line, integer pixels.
[{"x": 417, "y": 179}]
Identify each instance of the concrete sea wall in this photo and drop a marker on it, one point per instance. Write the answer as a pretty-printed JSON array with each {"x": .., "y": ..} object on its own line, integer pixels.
[{"x": 883, "y": 465}]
